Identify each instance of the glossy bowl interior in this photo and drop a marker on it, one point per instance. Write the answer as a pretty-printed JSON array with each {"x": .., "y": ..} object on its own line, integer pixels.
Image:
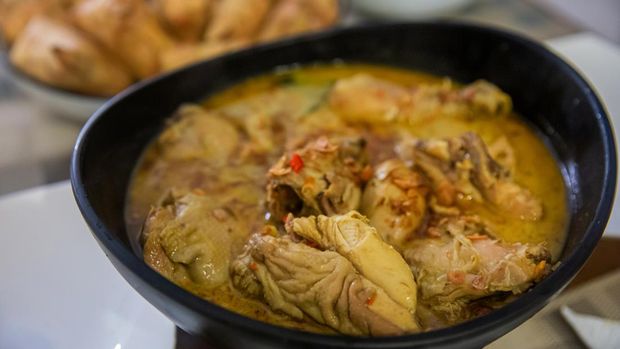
[{"x": 545, "y": 90}]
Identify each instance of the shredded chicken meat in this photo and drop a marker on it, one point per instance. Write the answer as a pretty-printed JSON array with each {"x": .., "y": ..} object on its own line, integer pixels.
[{"x": 461, "y": 169}]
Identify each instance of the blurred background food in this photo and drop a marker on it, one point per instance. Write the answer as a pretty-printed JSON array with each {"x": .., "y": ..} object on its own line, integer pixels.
[
  {"x": 40, "y": 120},
  {"x": 99, "y": 47}
]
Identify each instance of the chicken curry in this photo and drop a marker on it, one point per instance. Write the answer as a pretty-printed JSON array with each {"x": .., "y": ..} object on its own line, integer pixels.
[{"x": 350, "y": 199}]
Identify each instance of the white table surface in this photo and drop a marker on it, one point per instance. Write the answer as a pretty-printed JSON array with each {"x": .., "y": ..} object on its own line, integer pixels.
[{"x": 58, "y": 289}]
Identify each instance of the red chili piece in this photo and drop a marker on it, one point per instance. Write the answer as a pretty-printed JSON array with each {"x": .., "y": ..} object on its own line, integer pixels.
[
  {"x": 296, "y": 163},
  {"x": 371, "y": 299}
]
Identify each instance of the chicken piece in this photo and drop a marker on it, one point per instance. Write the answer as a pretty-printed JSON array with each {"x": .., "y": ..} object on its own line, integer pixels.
[
  {"x": 237, "y": 184},
  {"x": 237, "y": 20},
  {"x": 364, "y": 98},
  {"x": 394, "y": 200},
  {"x": 187, "y": 19},
  {"x": 302, "y": 281},
  {"x": 461, "y": 167},
  {"x": 290, "y": 17},
  {"x": 462, "y": 262},
  {"x": 182, "y": 55},
  {"x": 57, "y": 54},
  {"x": 196, "y": 133},
  {"x": 324, "y": 177},
  {"x": 128, "y": 28},
  {"x": 186, "y": 239},
  {"x": 354, "y": 238},
  {"x": 274, "y": 118}
]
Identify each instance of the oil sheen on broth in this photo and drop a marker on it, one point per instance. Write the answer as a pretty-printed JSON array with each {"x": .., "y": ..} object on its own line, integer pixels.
[{"x": 214, "y": 165}]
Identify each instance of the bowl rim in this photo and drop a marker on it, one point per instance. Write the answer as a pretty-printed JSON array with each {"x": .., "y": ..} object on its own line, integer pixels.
[{"x": 519, "y": 310}]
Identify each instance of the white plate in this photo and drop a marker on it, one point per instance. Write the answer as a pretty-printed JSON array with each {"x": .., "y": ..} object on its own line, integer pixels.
[
  {"x": 58, "y": 289},
  {"x": 75, "y": 106},
  {"x": 408, "y": 9}
]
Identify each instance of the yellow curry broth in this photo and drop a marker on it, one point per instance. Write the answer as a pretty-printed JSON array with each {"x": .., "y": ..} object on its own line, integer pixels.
[{"x": 535, "y": 168}]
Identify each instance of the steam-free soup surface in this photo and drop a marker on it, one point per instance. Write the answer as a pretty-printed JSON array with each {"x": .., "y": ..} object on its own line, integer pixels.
[{"x": 351, "y": 199}]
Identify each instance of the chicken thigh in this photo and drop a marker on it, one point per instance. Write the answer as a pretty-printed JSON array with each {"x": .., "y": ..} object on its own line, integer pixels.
[
  {"x": 190, "y": 239},
  {"x": 460, "y": 262},
  {"x": 194, "y": 133},
  {"x": 303, "y": 281}
]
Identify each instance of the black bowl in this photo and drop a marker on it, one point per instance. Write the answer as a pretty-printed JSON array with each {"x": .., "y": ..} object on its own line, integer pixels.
[{"x": 554, "y": 98}]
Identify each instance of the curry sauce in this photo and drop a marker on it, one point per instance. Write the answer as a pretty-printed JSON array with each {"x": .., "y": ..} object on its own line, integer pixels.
[{"x": 293, "y": 112}]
